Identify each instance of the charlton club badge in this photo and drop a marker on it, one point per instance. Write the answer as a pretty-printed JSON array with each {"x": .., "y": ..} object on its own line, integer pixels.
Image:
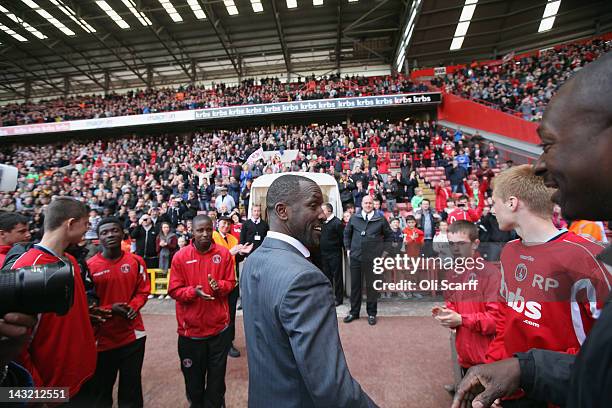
[
  {"x": 520, "y": 273},
  {"x": 125, "y": 268},
  {"x": 216, "y": 259}
]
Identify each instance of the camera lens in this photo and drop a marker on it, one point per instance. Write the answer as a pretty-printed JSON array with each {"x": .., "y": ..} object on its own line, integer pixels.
[{"x": 38, "y": 289}]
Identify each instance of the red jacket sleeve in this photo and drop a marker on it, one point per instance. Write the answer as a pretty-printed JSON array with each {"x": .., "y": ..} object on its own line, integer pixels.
[
  {"x": 143, "y": 287},
  {"x": 497, "y": 348},
  {"x": 468, "y": 189},
  {"x": 177, "y": 287},
  {"x": 482, "y": 322}
]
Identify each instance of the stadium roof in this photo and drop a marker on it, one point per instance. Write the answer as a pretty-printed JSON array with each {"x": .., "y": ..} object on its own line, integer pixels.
[{"x": 49, "y": 47}]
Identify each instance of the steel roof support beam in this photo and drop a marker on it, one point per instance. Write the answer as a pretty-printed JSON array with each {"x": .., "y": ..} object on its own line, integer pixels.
[
  {"x": 34, "y": 76},
  {"x": 156, "y": 33},
  {"x": 365, "y": 15},
  {"x": 61, "y": 55},
  {"x": 281, "y": 36},
  {"x": 514, "y": 27},
  {"x": 220, "y": 31}
]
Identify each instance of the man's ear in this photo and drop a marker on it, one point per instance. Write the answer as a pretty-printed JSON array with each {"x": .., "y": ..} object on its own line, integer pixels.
[
  {"x": 282, "y": 211},
  {"x": 512, "y": 203}
]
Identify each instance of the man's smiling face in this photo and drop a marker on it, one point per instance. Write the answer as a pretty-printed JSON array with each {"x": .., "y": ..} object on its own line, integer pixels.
[{"x": 576, "y": 159}]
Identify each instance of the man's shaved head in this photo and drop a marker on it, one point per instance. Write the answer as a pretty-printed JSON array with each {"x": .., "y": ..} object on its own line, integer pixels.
[{"x": 576, "y": 134}]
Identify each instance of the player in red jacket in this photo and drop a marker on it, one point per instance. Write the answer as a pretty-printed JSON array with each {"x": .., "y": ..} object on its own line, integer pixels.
[
  {"x": 201, "y": 280},
  {"x": 552, "y": 286},
  {"x": 13, "y": 229},
  {"x": 120, "y": 281},
  {"x": 464, "y": 212},
  {"x": 62, "y": 352},
  {"x": 472, "y": 313}
]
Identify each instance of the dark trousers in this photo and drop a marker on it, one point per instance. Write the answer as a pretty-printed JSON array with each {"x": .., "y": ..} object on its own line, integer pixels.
[
  {"x": 331, "y": 265},
  {"x": 127, "y": 362},
  {"x": 203, "y": 363},
  {"x": 232, "y": 299},
  {"x": 152, "y": 262},
  {"x": 85, "y": 398},
  {"x": 359, "y": 269}
]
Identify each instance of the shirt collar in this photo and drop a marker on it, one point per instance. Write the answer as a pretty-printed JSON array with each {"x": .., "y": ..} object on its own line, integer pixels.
[
  {"x": 291, "y": 241},
  {"x": 364, "y": 214},
  {"x": 331, "y": 217},
  {"x": 256, "y": 221}
]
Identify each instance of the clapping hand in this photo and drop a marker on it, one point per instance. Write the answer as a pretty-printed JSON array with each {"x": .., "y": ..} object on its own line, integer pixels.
[
  {"x": 246, "y": 249},
  {"x": 202, "y": 294},
  {"x": 98, "y": 315},
  {"x": 124, "y": 310},
  {"x": 448, "y": 318},
  {"x": 213, "y": 283}
]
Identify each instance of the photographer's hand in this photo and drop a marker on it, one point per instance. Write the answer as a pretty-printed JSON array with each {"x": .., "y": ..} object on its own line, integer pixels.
[{"x": 13, "y": 335}]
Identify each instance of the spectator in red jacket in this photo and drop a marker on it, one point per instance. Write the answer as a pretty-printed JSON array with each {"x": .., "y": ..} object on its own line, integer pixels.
[
  {"x": 443, "y": 193},
  {"x": 476, "y": 190},
  {"x": 13, "y": 229},
  {"x": 201, "y": 280},
  {"x": 413, "y": 237},
  {"x": 120, "y": 281},
  {"x": 472, "y": 313},
  {"x": 62, "y": 352}
]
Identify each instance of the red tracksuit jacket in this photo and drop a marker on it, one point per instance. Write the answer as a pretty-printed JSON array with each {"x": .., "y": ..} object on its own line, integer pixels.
[
  {"x": 197, "y": 317},
  {"x": 120, "y": 281},
  {"x": 62, "y": 352},
  {"x": 4, "y": 249},
  {"x": 553, "y": 294},
  {"x": 479, "y": 312}
]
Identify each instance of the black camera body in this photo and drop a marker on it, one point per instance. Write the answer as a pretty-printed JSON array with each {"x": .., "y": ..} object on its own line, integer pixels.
[{"x": 37, "y": 289}]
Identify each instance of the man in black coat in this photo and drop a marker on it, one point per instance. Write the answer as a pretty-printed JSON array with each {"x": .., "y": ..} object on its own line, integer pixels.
[
  {"x": 332, "y": 236},
  {"x": 365, "y": 237},
  {"x": 145, "y": 236},
  {"x": 254, "y": 230}
]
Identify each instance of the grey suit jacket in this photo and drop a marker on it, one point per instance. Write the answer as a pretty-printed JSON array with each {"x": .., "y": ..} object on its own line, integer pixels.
[{"x": 293, "y": 346}]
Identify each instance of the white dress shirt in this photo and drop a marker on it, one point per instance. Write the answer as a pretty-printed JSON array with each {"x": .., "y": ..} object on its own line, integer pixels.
[
  {"x": 367, "y": 216},
  {"x": 291, "y": 241}
]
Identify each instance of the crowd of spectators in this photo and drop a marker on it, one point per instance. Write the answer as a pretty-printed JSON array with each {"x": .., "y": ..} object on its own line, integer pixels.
[
  {"x": 171, "y": 178},
  {"x": 524, "y": 85},
  {"x": 248, "y": 92}
]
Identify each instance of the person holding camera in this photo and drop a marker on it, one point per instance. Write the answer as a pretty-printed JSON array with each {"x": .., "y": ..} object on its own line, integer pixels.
[
  {"x": 464, "y": 212},
  {"x": 62, "y": 350},
  {"x": 14, "y": 329},
  {"x": 13, "y": 229},
  {"x": 120, "y": 280}
]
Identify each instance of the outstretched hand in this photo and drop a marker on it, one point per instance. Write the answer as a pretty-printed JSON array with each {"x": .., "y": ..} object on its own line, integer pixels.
[
  {"x": 486, "y": 383},
  {"x": 200, "y": 292}
]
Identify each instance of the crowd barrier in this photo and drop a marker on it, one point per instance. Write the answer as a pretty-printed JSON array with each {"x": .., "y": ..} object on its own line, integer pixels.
[{"x": 159, "y": 281}]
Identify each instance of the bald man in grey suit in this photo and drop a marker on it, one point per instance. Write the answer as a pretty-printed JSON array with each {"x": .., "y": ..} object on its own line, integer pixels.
[{"x": 293, "y": 346}]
